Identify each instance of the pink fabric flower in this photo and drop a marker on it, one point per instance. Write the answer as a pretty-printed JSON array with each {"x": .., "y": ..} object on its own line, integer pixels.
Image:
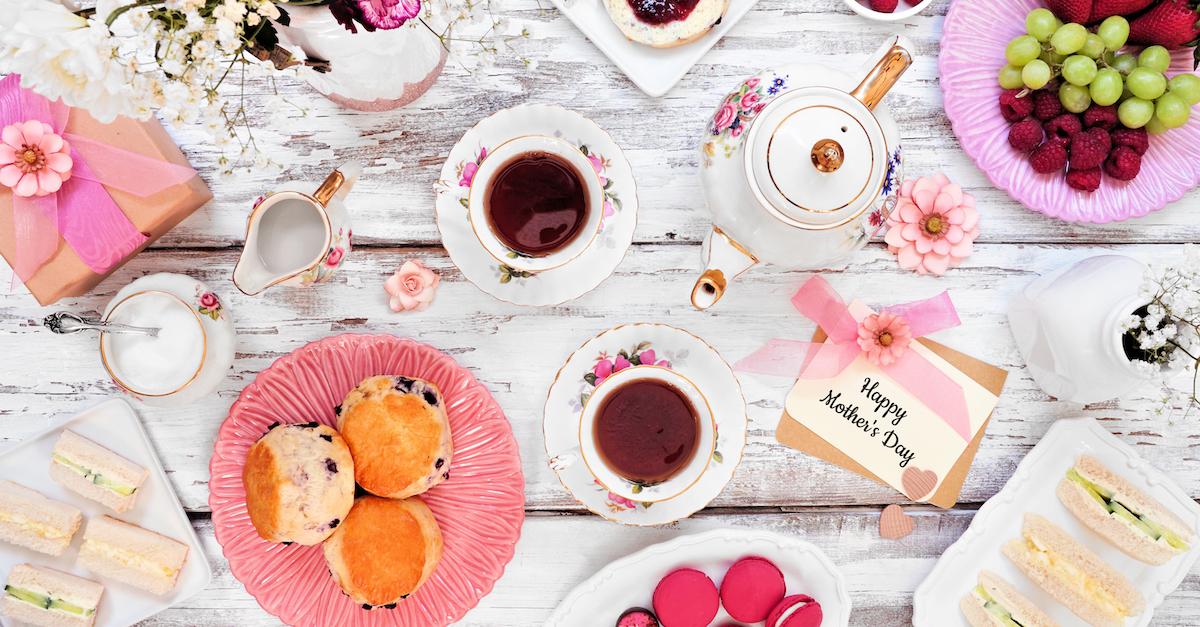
[
  {"x": 884, "y": 338},
  {"x": 388, "y": 14},
  {"x": 335, "y": 256},
  {"x": 934, "y": 225},
  {"x": 34, "y": 161},
  {"x": 412, "y": 287},
  {"x": 725, "y": 116}
]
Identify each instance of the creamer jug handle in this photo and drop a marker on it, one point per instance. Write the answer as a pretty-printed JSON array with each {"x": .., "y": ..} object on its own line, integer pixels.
[{"x": 338, "y": 183}]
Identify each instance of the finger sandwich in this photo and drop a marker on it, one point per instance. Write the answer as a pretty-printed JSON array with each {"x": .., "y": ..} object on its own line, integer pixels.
[
  {"x": 995, "y": 603},
  {"x": 43, "y": 596},
  {"x": 1128, "y": 518},
  {"x": 133, "y": 555},
  {"x": 95, "y": 472},
  {"x": 31, "y": 520}
]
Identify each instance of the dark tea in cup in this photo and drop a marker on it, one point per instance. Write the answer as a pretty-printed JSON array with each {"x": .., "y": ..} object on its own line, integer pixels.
[
  {"x": 537, "y": 203},
  {"x": 647, "y": 430}
]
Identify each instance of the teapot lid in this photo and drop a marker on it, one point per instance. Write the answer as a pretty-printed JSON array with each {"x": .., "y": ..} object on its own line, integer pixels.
[{"x": 816, "y": 157}]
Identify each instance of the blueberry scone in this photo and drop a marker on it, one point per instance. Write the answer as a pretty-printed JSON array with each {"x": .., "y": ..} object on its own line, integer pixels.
[
  {"x": 398, "y": 434},
  {"x": 299, "y": 481},
  {"x": 666, "y": 23}
]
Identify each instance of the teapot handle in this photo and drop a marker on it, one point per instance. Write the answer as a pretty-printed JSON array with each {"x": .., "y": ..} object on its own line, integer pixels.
[
  {"x": 724, "y": 260},
  {"x": 886, "y": 71}
]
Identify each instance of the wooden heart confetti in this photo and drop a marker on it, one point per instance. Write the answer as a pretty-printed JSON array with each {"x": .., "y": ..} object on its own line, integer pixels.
[
  {"x": 918, "y": 483},
  {"x": 894, "y": 523}
]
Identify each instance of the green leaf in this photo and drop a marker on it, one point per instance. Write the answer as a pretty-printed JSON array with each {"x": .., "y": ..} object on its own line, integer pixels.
[
  {"x": 718, "y": 457},
  {"x": 463, "y": 202},
  {"x": 647, "y": 505},
  {"x": 511, "y": 254},
  {"x": 637, "y": 488},
  {"x": 636, "y": 360},
  {"x": 505, "y": 278},
  {"x": 616, "y": 202},
  {"x": 584, "y": 149},
  {"x": 584, "y": 398},
  {"x": 641, "y": 346},
  {"x": 608, "y": 183},
  {"x": 590, "y": 378},
  {"x": 623, "y": 353}
]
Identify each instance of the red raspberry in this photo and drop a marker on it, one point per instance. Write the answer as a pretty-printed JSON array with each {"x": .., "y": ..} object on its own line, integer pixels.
[
  {"x": 1135, "y": 138},
  {"x": 1123, "y": 164},
  {"x": 1049, "y": 157},
  {"x": 1046, "y": 105},
  {"x": 1025, "y": 135},
  {"x": 1089, "y": 148},
  {"x": 1104, "y": 117},
  {"x": 1087, "y": 180},
  {"x": 884, "y": 6},
  {"x": 1063, "y": 127},
  {"x": 1015, "y": 108}
]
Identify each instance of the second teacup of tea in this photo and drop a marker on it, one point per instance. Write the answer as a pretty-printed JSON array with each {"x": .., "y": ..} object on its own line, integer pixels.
[
  {"x": 536, "y": 203},
  {"x": 646, "y": 434}
]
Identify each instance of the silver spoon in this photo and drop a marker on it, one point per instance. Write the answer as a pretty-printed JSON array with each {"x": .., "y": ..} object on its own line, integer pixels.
[{"x": 67, "y": 322}]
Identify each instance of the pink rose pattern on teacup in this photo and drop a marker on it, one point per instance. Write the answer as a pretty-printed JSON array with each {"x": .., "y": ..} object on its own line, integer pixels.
[
  {"x": 208, "y": 304},
  {"x": 333, "y": 259},
  {"x": 736, "y": 112},
  {"x": 412, "y": 287},
  {"x": 618, "y": 504}
]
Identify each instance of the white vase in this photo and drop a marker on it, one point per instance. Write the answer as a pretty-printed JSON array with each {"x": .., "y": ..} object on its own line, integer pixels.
[
  {"x": 369, "y": 71},
  {"x": 1067, "y": 325}
]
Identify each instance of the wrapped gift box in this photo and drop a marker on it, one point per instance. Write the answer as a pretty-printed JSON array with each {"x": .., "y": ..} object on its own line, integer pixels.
[{"x": 65, "y": 274}]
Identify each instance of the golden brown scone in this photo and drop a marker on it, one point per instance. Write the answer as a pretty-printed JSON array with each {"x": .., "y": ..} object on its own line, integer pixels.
[
  {"x": 384, "y": 550},
  {"x": 299, "y": 481},
  {"x": 398, "y": 434}
]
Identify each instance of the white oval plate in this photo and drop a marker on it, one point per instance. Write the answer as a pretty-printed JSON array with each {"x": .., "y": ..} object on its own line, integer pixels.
[
  {"x": 630, "y": 581},
  {"x": 1031, "y": 489}
]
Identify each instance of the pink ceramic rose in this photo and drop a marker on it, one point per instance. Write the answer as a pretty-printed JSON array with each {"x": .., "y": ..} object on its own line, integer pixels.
[
  {"x": 34, "y": 160},
  {"x": 934, "y": 225},
  {"x": 412, "y": 287}
]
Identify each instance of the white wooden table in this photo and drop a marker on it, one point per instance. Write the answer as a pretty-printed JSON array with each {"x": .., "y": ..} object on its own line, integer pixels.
[{"x": 515, "y": 351}]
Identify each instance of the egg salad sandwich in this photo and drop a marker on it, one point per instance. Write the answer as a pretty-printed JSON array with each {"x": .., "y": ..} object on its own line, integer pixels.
[
  {"x": 1073, "y": 574},
  {"x": 1122, "y": 514},
  {"x": 34, "y": 521},
  {"x": 43, "y": 596},
  {"x": 995, "y": 603},
  {"x": 133, "y": 555},
  {"x": 95, "y": 472}
]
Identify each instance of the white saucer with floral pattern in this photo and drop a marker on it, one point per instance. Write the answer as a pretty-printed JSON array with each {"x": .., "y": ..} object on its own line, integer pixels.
[
  {"x": 566, "y": 282},
  {"x": 629, "y": 346}
]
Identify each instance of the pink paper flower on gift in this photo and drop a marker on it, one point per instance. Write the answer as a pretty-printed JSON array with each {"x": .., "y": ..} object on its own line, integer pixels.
[
  {"x": 34, "y": 161},
  {"x": 884, "y": 338},
  {"x": 412, "y": 287},
  {"x": 933, "y": 226}
]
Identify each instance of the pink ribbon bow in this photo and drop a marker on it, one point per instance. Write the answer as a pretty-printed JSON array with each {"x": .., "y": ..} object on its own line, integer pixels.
[
  {"x": 82, "y": 212},
  {"x": 817, "y": 301}
]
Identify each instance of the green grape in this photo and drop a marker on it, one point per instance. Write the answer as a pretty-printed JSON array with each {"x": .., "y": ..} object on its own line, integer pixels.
[
  {"x": 1074, "y": 98},
  {"x": 1010, "y": 77},
  {"x": 1035, "y": 74},
  {"x": 1069, "y": 38},
  {"x": 1022, "y": 50},
  {"x": 1186, "y": 86},
  {"x": 1155, "y": 58},
  {"x": 1094, "y": 47},
  {"x": 1156, "y": 126},
  {"x": 1114, "y": 31},
  {"x": 1106, "y": 87},
  {"x": 1171, "y": 110},
  {"x": 1041, "y": 23},
  {"x": 1146, "y": 83},
  {"x": 1135, "y": 112},
  {"x": 1052, "y": 58},
  {"x": 1079, "y": 70},
  {"x": 1124, "y": 63}
]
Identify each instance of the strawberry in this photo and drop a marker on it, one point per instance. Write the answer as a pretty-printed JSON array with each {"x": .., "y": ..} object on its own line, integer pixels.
[
  {"x": 1170, "y": 23},
  {"x": 1077, "y": 11},
  {"x": 884, "y": 6},
  {"x": 1108, "y": 8}
]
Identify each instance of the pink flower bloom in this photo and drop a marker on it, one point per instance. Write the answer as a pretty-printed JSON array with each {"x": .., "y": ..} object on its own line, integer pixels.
[
  {"x": 335, "y": 256},
  {"x": 620, "y": 363},
  {"x": 749, "y": 100},
  {"x": 725, "y": 116},
  {"x": 884, "y": 338},
  {"x": 468, "y": 174},
  {"x": 752, "y": 83},
  {"x": 933, "y": 226},
  {"x": 412, "y": 287},
  {"x": 647, "y": 357},
  {"x": 598, "y": 166},
  {"x": 34, "y": 161},
  {"x": 609, "y": 211},
  {"x": 737, "y": 131},
  {"x": 759, "y": 107},
  {"x": 388, "y": 14},
  {"x": 208, "y": 300},
  {"x": 603, "y": 369}
]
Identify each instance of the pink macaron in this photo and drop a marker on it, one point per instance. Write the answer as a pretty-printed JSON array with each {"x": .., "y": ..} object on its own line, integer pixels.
[
  {"x": 637, "y": 617},
  {"x": 798, "y": 610},
  {"x": 686, "y": 598},
  {"x": 752, "y": 587}
]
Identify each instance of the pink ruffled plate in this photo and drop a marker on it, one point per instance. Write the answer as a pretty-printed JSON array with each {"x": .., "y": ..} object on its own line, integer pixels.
[
  {"x": 480, "y": 508},
  {"x": 974, "y": 36}
]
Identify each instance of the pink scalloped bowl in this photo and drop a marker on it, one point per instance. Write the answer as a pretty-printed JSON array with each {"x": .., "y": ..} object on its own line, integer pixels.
[
  {"x": 974, "y": 36},
  {"x": 480, "y": 508}
]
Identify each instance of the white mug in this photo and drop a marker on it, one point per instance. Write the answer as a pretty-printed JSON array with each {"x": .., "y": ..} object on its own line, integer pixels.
[
  {"x": 491, "y": 166},
  {"x": 588, "y": 450}
]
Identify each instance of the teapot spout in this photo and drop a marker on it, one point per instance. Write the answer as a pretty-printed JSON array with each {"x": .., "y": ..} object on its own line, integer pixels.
[
  {"x": 725, "y": 259},
  {"x": 894, "y": 59}
]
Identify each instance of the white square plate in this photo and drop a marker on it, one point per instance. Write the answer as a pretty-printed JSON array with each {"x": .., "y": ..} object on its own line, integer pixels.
[
  {"x": 1031, "y": 489},
  {"x": 112, "y": 424},
  {"x": 654, "y": 70}
]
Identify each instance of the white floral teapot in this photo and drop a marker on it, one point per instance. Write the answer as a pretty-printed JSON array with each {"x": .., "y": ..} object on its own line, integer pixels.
[{"x": 800, "y": 165}]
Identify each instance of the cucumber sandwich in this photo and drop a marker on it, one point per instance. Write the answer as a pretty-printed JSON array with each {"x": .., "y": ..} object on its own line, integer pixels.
[
  {"x": 95, "y": 472},
  {"x": 995, "y": 603},
  {"x": 43, "y": 596}
]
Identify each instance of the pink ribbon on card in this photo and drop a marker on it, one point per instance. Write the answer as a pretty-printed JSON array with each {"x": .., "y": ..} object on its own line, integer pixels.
[
  {"x": 818, "y": 301},
  {"x": 82, "y": 212}
]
